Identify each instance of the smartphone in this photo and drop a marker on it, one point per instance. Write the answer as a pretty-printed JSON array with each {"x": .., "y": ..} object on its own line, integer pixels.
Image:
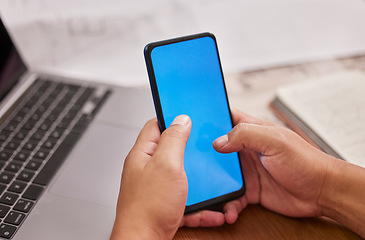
[{"x": 186, "y": 78}]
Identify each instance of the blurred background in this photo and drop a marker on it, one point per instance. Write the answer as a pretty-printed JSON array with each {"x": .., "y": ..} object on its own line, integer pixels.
[{"x": 104, "y": 39}]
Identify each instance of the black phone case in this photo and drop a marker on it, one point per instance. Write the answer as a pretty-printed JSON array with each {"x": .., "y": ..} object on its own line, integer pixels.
[{"x": 211, "y": 203}]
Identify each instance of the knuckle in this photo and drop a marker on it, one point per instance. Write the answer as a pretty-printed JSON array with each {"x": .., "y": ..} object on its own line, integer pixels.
[
  {"x": 282, "y": 135},
  {"x": 238, "y": 130},
  {"x": 243, "y": 127}
]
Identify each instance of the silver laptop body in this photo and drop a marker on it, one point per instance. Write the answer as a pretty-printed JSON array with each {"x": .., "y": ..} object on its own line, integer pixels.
[{"x": 79, "y": 200}]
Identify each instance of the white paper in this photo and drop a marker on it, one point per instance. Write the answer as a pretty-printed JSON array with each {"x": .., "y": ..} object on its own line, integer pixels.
[
  {"x": 104, "y": 40},
  {"x": 333, "y": 106}
]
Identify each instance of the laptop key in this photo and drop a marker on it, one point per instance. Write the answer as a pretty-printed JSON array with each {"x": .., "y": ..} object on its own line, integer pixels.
[
  {"x": 13, "y": 167},
  {"x": 5, "y": 155},
  {"x": 21, "y": 156},
  {"x": 30, "y": 146},
  {"x": 23, "y": 205},
  {"x": 81, "y": 124},
  {"x": 45, "y": 126},
  {"x": 33, "y": 165},
  {"x": 18, "y": 118},
  {"x": 4, "y": 210},
  {"x": 8, "y": 198},
  {"x": 4, "y": 135},
  {"x": 52, "y": 117},
  {"x": 29, "y": 125},
  {"x": 13, "y": 145},
  {"x": 14, "y": 218},
  {"x": 11, "y": 126},
  {"x": 7, "y": 231},
  {"x": 42, "y": 154},
  {"x": 25, "y": 176},
  {"x": 17, "y": 187},
  {"x": 21, "y": 134},
  {"x": 57, "y": 133},
  {"x": 49, "y": 143},
  {"x": 2, "y": 188},
  {"x": 33, "y": 192},
  {"x": 6, "y": 177},
  {"x": 38, "y": 135},
  {"x": 63, "y": 124},
  {"x": 36, "y": 116}
]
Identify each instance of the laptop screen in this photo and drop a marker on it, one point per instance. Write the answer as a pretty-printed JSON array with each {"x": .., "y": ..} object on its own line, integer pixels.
[{"x": 11, "y": 65}]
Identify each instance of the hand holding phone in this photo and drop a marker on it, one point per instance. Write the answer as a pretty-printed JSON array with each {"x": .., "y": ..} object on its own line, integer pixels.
[{"x": 186, "y": 78}]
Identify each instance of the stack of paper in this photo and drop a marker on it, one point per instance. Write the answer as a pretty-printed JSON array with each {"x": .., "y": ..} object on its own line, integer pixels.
[{"x": 330, "y": 111}]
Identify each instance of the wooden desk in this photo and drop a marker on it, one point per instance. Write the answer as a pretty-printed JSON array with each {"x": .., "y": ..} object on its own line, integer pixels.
[
  {"x": 256, "y": 222},
  {"x": 251, "y": 91}
]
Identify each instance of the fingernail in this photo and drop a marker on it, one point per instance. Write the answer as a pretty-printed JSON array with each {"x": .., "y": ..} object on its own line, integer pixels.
[
  {"x": 221, "y": 141},
  {"x": 181, "y": 120}
]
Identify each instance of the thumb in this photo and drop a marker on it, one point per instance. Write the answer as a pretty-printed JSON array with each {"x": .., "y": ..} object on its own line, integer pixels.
[
  {"x": 173, "y": 141},
  {"x": 259, "y": 138}
]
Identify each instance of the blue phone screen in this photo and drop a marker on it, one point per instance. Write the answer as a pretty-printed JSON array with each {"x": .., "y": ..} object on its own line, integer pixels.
[{"x": 189, "y": 81}]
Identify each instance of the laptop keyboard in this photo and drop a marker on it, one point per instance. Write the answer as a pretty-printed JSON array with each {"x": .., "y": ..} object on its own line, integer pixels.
[{"x": 35, "y": 139}]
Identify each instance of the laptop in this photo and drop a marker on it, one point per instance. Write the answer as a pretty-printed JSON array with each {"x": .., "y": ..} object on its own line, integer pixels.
[{"x": 62, "y": 147}]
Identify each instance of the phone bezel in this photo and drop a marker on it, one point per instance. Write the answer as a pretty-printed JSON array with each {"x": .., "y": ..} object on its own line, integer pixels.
[{"x": 161, "y": 122}]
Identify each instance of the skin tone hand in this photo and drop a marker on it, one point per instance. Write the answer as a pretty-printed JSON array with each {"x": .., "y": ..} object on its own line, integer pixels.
[
  {"x": 287, "y": 175},
  {"x": 282, "y": 172},
  {"x": 153, "y": 189}
]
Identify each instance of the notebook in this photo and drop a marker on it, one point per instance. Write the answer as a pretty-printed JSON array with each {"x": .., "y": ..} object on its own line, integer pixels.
[
  {"x": 329, "y": 112},
  {"x": 62, "y": 147}
]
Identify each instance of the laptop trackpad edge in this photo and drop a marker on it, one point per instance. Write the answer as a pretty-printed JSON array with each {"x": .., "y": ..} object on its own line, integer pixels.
[{"x": 93, "y": 171}]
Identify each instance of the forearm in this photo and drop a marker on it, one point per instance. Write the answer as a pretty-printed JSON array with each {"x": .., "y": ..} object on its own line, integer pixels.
[
  {"x": 133, "y": 229},
  {"x": 143, "y": 235},
  {"x": 343, "y": 195}
]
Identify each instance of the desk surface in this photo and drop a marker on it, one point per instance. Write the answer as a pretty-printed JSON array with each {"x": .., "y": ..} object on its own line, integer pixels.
[
  {"x": 256, "y": 222},
  {"x": 251, "y": 92}
]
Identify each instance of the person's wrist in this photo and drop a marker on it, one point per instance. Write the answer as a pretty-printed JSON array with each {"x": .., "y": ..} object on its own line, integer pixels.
[
  {"x": 343, "y": 195},
  {"x": 130, "y": 230},
  {"x": 141, "y": 234},
  {"x": 328, "y": 201}
]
